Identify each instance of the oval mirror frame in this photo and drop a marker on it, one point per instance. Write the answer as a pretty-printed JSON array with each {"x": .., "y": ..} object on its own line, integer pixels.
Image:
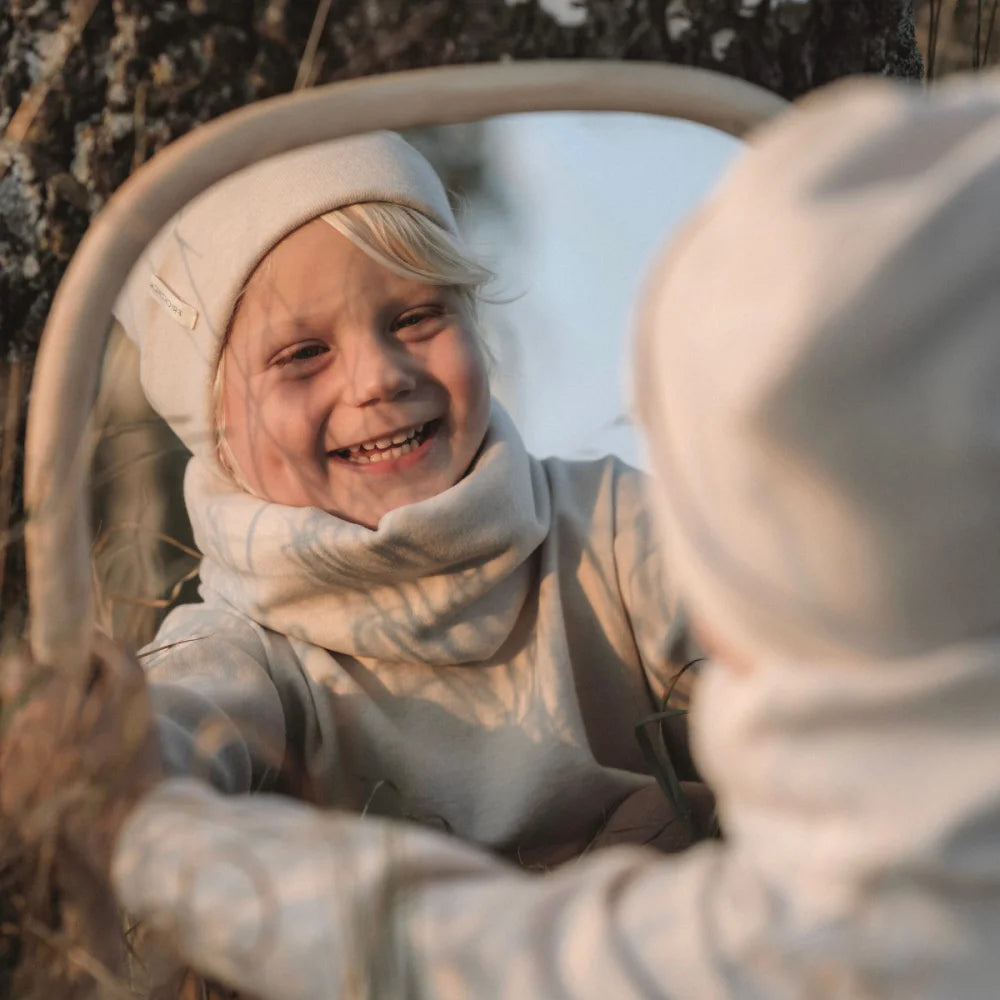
[{"x": 57, "y": 536}]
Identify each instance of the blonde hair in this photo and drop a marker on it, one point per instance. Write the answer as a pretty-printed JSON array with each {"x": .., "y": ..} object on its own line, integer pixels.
[
  {"x": 411, "y": 245},
  {"x": 401, "y": 239}
]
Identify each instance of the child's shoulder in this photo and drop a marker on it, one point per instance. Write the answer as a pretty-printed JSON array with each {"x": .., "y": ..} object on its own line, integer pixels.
[
  {"x": 192, "y": 631},
  {"x": 596, "y": 485},
  {"x": 607, "y": 471}
]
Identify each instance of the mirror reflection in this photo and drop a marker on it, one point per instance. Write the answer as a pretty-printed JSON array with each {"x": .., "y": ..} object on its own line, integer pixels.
[{"x": 567, "y": 210}]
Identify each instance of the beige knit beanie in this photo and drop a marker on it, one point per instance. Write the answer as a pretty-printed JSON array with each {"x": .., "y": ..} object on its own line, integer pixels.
[
  {"x": 178, "y": 300},
  {"x": 818, "y": 371}
]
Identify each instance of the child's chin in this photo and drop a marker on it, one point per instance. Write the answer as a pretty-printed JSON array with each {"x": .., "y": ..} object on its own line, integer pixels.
[{"x": 370, "y": 511}]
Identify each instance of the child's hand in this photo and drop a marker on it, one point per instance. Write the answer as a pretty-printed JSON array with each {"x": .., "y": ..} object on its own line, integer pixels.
[{"x": 75, "y": 755}]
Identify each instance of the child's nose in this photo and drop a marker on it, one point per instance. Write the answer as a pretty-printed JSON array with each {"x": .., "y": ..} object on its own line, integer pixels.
[{"x": 379, "y": 374}]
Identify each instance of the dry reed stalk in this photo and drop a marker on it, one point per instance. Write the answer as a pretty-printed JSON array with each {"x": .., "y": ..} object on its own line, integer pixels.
[{"x": 956, "y": 35}]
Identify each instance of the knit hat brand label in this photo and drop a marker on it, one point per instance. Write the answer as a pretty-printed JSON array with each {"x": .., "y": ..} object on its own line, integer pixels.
[{"x": 183, "y": 313}]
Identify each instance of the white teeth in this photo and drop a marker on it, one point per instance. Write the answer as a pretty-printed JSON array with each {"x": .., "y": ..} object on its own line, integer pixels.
[
  {"x": 382, "y": 456},
  {"x": 408, "y": 435},
  {"x": 393, "y": 447}
]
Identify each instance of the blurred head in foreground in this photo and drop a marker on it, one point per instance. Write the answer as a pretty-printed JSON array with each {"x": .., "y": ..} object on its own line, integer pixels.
[
  {"x": 819, "y": 377},
  {"x": 818, "y": 373}
]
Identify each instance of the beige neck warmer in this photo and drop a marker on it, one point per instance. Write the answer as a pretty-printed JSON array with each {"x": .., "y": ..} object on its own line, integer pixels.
[{"x": 438, "y": 582}]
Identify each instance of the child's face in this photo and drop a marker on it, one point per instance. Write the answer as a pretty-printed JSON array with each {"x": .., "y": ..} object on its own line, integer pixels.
[{"x": 347, "y": 387}]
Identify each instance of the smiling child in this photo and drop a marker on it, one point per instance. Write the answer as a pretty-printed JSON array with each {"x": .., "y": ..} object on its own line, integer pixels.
[{"x": 403, "y": 612}]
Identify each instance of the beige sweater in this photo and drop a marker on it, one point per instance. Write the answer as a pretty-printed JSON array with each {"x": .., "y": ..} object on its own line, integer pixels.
[{"x": 479, "y": 662}]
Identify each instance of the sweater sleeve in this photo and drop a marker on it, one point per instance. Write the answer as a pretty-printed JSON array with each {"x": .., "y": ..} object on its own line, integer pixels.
[
  {"x": 289, "y": 903},
  {"x": 218, "y": 709}
]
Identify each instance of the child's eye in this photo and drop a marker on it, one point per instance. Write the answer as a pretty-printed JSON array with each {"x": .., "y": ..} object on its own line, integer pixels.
[
  {"x": 420, "y": 322},
  {"x": 301, "y": 353}
]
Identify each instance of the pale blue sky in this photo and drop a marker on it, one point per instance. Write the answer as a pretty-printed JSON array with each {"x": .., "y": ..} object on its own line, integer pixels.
[{"x": 592, "y": 197}]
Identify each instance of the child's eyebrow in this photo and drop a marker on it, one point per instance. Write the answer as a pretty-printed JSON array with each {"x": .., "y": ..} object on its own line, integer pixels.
[
  {"x": 291, "y": 326},
  {"x": 325, "y": 319}
]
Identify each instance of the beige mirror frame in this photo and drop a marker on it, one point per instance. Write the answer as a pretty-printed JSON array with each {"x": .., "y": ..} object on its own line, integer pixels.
[{"x": 57, "y": 452}]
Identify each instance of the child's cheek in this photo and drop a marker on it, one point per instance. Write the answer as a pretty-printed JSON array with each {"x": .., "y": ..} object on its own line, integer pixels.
[
  {"x": 298, "y": 408},
  {"x": 472, "y": 373}
]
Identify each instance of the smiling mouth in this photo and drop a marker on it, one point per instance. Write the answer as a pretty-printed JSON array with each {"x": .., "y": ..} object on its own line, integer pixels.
[{"x": 389, "y": 447}]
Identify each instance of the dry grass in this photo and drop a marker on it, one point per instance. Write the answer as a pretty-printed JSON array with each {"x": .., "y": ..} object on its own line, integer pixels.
[
  {"x": 61, "y": 934},
  {"x": 75, "y": 756}
]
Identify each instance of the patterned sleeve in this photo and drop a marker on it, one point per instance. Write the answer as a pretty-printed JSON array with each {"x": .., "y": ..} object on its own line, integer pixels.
[{"x": 218, "y": 709}]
